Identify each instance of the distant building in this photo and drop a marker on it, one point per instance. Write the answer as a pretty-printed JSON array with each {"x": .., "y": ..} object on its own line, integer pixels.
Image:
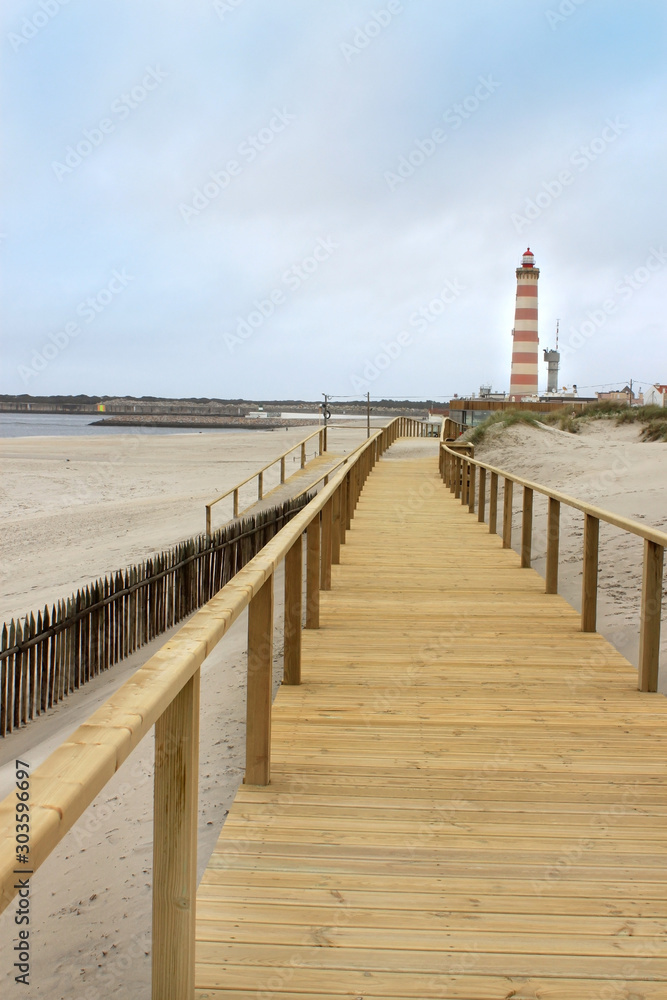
[
  {"x": 471, "y": 412},
  {"x": 656, "y": 395},
  {"x": 486, "y": 392},
  {"x": 625, "y": 395}
]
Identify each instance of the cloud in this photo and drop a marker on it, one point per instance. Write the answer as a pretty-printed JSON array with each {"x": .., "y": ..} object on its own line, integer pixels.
[{"x": 352, "y": 119}]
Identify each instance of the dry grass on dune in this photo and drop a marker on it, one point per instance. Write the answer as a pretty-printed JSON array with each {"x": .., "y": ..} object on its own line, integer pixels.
[{"x": 653, "y": 419}]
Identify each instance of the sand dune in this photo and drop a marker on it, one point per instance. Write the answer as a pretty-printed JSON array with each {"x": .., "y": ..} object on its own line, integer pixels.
[{"x": 606, "y": 465}]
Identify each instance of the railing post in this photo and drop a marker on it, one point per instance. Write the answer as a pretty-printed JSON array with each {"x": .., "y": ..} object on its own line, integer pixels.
[
  {"x": 236, "y": 503},
  {"x": 282, "y": 469},
  {"x": 320, "y": 442},
  {"x": 260, "y": 485},
  {"x": 507, "y": 513},
  {"x": 335, "y": 528},
  {"x": 553, "y": 544},
  {"x": 325, "y": 578},
  {"x": 208, "y": 520},
  {"x": 344, "y": 525},
  {"x": 493, "y": 504},
  {"x": 313, "y": 573},
  {"x": 649, "y": 635},
  {"x": 325, "y": 438},
  {"x": 293, "y": 600},
  {"x": 589, "y": 584},
  {"x": 481, "y": 504},
  {"x": 175, "y": 846},
  {"x": 260, "y": 670},
  {"x": 458, "y": 476},
  {"x": 303, "y": 454},
  {"x": 465, "y": 467},
  {"x": 471, "y": 487},
  {"x": 527, "y": 529}
]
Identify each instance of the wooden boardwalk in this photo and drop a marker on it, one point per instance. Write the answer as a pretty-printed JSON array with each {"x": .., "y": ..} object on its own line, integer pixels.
[
  {"x": 468, "y": 795},
  {"x": 298, "y": 482}
]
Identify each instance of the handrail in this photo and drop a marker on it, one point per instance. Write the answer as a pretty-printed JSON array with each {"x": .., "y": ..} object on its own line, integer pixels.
[
  {"x": 450, "y": 428},
  {"x": 458, "y": 471},
  {"x": 165, "y": 693},
  {"x": 325, "y": 475},
  {"x": 280, "y": 458},
  {"x": 321, "y": 432}
]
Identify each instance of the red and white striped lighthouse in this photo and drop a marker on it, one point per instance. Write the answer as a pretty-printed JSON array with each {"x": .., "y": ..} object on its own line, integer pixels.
[{"x": 523, "y": 381}]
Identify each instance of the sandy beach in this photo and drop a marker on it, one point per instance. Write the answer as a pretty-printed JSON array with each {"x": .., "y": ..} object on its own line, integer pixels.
[
  {"x": 75, "y": 508},
  {"x": 607, "y": 465}
]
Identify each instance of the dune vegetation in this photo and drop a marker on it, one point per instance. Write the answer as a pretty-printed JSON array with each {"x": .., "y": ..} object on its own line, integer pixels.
[{"x": 653, "y": 419}]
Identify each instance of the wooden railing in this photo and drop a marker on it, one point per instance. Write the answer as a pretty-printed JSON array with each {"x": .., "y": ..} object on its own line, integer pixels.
[
  {"x": 451, "y": 429},
  {"x": 418, "y": 428},
  {"x": 467, "y": 477},
  {"x": 165, "y": 693},
  {"x": 321, "y": 434}
]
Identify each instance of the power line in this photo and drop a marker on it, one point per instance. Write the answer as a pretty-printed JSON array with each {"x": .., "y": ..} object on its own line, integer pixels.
[{"x": 447, "y": 395}]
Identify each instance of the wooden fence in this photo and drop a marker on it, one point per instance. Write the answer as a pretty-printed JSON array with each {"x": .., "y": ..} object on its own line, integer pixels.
[
  {"x": 476, "y": 482},
  {"x": 46, "y": 656}
]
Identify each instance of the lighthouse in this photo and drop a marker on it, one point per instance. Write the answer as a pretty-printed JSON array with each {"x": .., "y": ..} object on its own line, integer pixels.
[{"x": 523, "y": 380}]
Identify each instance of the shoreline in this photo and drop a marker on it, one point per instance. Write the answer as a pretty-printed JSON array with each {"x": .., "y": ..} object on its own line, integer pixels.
[{"x": 199, "y": 422}]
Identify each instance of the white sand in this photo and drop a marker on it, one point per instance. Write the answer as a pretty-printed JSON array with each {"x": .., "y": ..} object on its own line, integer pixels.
[
  {"x": 610, "y": 467},
  {"x": 74, "y": 508},
  {"x": 118, "y": 500}
]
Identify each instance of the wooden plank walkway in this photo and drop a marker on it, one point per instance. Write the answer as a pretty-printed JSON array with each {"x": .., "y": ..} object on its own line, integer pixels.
[
  {"x": 296, "y": 483},
  {"x": 468, "y": 795}
]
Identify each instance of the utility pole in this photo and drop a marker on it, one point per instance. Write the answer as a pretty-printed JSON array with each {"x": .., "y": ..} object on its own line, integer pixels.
[
  {"x": 368, "y": 414},
  {"x": 325, "y": 411},
  {"x": 631, "y": 395}
]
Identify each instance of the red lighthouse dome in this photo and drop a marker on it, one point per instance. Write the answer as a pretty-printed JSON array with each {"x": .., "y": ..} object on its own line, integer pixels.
[{"x": 528, "y": 259}]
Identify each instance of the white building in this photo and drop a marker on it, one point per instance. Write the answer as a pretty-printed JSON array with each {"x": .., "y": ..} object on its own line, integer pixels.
[{"x": 656, "y": 395}]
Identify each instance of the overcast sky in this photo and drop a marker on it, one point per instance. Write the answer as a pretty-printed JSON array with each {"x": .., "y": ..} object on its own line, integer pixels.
[{"x": 279, "y": 198}]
